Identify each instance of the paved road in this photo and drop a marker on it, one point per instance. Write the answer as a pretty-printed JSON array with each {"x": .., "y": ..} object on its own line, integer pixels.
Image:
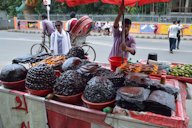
[
  {"x": 18, "y": 44},
  {"x": 145, "y": 46}
]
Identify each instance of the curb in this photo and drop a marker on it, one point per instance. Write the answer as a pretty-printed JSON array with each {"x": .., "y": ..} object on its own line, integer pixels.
[
  {"x": 25, "y": 31},
  {"x": 151, "y": 37},
  {"x": 97, "y": 34}
]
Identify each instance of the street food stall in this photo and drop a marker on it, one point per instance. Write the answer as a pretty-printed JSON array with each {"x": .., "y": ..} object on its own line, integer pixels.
[
  {"x": 71, "y": 103},
  {"x": 71, "y": 91}
]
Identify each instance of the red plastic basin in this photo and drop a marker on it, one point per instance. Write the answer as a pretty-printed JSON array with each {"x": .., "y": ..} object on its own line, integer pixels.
[
  {"x": 17, "y": 85},
  {"x": 116, "y": 61},
  {"x": 73, "y": 99},
  {"x": 39, "y": 92},
  {"x": 97, "y": 106}
]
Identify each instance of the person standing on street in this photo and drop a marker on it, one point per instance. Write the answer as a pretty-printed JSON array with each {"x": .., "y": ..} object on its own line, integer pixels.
[
  {"x": 129, "y": 46},
  {"x": 99, "y": 26},
  {"x": 71, "y": 22},
  {"x": 107, "y": 28},
  {"x": 172, "y": 35},
  {"x": 18, "y": 25},
  {"x": 179, "y": 34},
  {"x": 48, "y": 27},
  {"x": 60, "y": 40},
  {"x": 155, "y": 29}
]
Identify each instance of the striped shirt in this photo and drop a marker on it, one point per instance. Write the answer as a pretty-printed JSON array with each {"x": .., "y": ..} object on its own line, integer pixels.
[{"x": 116, "y": 49}]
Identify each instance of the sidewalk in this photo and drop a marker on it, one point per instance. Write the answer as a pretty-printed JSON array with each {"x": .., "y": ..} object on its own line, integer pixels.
[{"x": 145, "y": 36}]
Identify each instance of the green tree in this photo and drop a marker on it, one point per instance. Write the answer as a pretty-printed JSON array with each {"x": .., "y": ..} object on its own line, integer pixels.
[
  {"x": 95, "y": 8},
  {"x": 98, "y": 8},
  {"x": 132, "y": 10},
  {"x": 9, "y": 6}
]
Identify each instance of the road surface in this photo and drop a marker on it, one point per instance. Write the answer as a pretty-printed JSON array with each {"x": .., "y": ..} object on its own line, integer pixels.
[{"x": 18, "y": 44}]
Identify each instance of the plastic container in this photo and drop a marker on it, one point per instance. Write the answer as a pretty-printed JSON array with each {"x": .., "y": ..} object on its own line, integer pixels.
[
  {"x": 73, "y": 99},
  {"x": 152, "y": 56},
  {"x": 163, "y": 79},
  {"x": 57, "y": 73},
  {"x": 97, "y": 106},
  {"x": 116, "y": 61},
  {"x": 17, "y": 85}
]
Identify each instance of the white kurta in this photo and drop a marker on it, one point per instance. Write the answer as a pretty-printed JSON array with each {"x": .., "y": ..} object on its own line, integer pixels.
[{"x": 60, "y": 42}]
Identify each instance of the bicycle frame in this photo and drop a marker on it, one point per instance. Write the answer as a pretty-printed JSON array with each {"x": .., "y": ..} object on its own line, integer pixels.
[
  {"x": 44, "y": 41},
  {"x": 38, "y": 48}
]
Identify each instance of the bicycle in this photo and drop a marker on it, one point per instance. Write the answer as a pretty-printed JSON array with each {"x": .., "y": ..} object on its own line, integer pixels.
[
  {"x": 89, "y": 51},
  {"x": 78, "y": 36},
  {"x": 38, "y": 48}
]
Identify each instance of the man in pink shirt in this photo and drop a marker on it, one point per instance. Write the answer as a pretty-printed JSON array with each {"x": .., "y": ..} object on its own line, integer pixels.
[
  {"x": 48, "y": 27},
  {"x": 119, "y": 48}
]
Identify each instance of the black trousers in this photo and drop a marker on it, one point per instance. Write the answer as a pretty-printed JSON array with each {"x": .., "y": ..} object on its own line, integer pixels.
[
  {"x": 178, "y": 41},
  {"x": 172, "y": 43}
]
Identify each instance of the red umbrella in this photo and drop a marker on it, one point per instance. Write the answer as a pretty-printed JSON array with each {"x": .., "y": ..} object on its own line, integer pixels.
[
  {"x": 72, "y": 3},
  {"x": 133, "y": 2}
]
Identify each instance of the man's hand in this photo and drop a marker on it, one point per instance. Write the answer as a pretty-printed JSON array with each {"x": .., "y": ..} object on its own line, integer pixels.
[
  {"x": 122, "y": 8},
  {"x": 120, "y": 13},
  {"x": 124, "y": 47}
]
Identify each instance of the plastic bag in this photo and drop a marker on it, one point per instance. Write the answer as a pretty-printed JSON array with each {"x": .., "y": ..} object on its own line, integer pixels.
[
  {"x": 132, "y": 98},
  {"x": 71, "y": 64},
  {"x": 160, "y": 102}
]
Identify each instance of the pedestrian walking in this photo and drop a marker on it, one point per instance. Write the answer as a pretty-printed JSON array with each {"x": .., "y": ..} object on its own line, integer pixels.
[
  {"x": 155, "y": 29},
  {"x": 107, "y": 28},
  {"x": 179, "y": 34},
  {"x": 99, "y": 25},
  {"x": 18, "y": 25},
  {"x": 172, "y": 35}
]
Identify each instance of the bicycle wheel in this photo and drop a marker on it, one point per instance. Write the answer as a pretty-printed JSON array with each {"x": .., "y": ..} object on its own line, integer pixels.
[
  {"x": 89, "y": 52},
  {"x": 38, "y": 48}
]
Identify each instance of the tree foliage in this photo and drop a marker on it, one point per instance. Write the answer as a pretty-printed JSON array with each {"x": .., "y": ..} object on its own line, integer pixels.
[
  {"x": 61, "y": 8},
  {"x": 9, "y": 6}
]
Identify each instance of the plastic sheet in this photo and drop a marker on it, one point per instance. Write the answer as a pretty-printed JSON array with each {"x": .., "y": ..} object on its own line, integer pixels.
[
  {"x": 160, "y": 102},
  {"x": 132, "y": 98}
]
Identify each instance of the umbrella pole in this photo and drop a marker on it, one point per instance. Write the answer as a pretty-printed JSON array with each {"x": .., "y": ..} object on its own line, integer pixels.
[{"x": 123, "y": 33}]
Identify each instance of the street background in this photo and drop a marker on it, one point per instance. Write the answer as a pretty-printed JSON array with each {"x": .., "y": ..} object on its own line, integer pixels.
[{"x": 14, "y": 44}]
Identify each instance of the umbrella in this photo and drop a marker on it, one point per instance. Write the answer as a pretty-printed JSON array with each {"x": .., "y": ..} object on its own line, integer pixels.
[{"x": 72, "y": 3}]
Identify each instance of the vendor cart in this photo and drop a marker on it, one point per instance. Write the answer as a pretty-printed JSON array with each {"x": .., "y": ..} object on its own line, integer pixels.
[{"x": 22, "y": 110}]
